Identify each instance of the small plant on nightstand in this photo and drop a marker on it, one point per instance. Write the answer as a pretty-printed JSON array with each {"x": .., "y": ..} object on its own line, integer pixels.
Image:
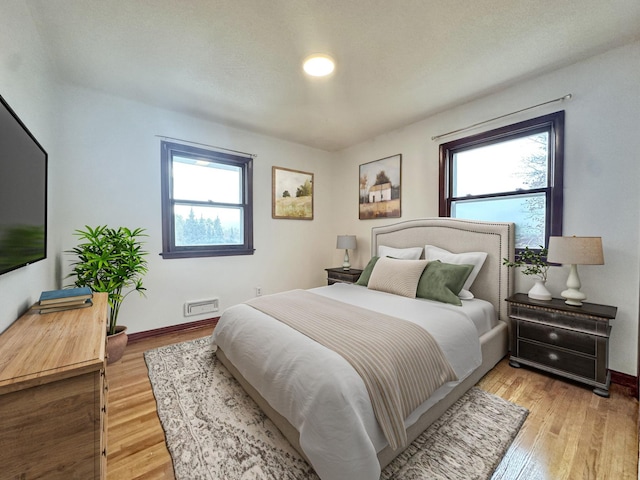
[{"x": 534, "y": 263}]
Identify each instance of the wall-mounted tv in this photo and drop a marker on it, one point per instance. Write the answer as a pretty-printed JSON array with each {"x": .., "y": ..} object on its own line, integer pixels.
[{"x": 23, "y": 193}]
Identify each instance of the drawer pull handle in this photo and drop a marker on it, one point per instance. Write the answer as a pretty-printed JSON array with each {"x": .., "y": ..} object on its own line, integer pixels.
[
  {"x": 553, "y": 357},
  {"x": 554, "y": 336}
]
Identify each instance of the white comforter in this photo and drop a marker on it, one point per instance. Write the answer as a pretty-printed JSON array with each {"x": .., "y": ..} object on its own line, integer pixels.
[{"x": 319, "y": 392}]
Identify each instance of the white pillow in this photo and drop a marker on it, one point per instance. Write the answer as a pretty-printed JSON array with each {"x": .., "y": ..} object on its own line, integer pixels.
[
  {"x": 412, "y": 253},
  {"x": 476, "y": 259},
  {"x": 399, "y": 277}
]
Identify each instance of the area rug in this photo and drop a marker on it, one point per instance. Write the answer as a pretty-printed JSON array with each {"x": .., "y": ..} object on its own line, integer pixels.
[{"x": 214, "y": 430}]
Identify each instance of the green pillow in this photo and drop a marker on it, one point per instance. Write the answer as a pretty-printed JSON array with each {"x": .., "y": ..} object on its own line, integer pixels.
[
  {"x": 443, "y": 281},
  {"x": 366, "y": 273}
]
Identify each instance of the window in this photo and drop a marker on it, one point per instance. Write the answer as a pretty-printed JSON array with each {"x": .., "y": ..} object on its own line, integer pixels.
[
  {"x": 511, "y": 174},
  {"x": 207, "y": 207}
]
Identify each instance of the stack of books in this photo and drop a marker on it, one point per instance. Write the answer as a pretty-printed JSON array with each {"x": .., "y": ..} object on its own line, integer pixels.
[{"x": 65, "y": 299}]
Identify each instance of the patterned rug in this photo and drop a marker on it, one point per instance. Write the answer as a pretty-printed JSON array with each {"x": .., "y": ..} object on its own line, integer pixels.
[{"x": 214, "y": 430}]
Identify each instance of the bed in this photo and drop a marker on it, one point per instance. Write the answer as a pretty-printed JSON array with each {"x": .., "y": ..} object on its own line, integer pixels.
[{"x": 275, "y": 363}]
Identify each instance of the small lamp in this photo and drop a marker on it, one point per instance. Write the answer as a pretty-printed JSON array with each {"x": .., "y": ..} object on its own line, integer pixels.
[
  {"x": 347, "y": 242},
  {"x": 575, "y": 251}
]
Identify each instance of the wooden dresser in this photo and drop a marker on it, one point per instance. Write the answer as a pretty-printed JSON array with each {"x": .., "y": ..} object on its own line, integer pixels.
[{"x": 53, "y": 395}]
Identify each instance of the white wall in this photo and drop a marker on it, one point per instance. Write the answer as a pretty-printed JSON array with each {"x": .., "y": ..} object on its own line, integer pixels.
[
  {"x": 28, "y": 86},
  {"x": 109, "y": 171},
  {"x": 602, "y": 171}
]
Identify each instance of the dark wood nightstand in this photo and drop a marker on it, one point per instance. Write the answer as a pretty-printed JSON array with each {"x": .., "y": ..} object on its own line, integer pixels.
[
  {"x": 569, "y": 341},
  {"x": 338, "y": 275}
]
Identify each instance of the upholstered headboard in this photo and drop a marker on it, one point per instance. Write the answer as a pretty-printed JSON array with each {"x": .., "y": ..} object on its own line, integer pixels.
[{"x": 494, "y": 282}]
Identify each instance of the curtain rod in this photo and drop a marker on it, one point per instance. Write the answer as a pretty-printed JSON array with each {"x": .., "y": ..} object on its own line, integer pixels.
[
  {"x": 252, "y": 155},
  {"x": 560, "y": 99}
]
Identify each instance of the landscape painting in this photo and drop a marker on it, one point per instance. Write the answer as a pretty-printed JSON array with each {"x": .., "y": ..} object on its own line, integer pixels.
[
  {"x": 292, "y": 194},
  {"x": 380, "y": 188}
]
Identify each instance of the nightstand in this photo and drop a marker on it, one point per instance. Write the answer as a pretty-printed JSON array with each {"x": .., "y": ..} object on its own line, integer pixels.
[
  {"x": 338, "y": 275},
  {"x": 558, "y": 338}
]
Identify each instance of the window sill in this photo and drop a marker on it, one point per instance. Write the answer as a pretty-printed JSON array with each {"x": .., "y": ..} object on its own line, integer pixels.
[{"x": 206, "y": 253}]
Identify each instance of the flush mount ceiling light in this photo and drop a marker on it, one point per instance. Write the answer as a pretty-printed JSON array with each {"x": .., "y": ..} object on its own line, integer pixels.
[{"x": 318, "y": 65}]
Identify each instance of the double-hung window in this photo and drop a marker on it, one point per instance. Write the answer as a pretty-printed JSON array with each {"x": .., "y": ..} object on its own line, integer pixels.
[
  {"x": 207, "y": 207},
  {"x": 511, "y": 174}
]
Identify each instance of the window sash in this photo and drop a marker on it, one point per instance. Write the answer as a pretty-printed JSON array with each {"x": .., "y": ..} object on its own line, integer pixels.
[
  {"x": 510, "y": 208},
  {"x": 506, "y": 159},
  {"x": 208, "y": 180},
  {"x": 214, "y": 234}
]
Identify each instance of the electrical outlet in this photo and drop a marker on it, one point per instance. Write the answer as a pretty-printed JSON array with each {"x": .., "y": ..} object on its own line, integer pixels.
[{"x": 258, "y": 291}]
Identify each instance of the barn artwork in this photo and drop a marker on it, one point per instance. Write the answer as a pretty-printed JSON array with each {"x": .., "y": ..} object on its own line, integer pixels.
[{"x": 380, "y": 188}]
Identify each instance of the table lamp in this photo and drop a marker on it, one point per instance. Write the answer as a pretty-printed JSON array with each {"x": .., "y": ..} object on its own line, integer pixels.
[
  {"x": 575, "y": 251},
  {"x": 347, "y": 242}
]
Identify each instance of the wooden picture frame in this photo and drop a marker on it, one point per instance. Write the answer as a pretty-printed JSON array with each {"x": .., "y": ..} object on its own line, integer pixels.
[
  {"x": 292, "y": 194},
  {"x": 380, "y": 185}
]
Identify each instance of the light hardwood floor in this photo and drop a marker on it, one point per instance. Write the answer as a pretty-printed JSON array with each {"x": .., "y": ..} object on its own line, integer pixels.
[{"x": 570, "y": 432}]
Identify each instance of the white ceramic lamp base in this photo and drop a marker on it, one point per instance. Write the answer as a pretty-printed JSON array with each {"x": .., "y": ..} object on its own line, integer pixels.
[
  {"x": 346, "y": 265},
  {"x": 573, "y": 295}
]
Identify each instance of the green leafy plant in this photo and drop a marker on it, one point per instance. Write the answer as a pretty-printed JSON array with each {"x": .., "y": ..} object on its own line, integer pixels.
[
  {"x": 533, "y": 262},
  {"x": 110, "y": 260}
]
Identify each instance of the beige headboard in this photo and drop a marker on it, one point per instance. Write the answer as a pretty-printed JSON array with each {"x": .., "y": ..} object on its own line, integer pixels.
[{"x": 494, "y": 282}]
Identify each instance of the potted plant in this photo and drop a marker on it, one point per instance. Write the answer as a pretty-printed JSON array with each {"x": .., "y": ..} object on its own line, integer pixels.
[
  {"x": 110, "y": 260},
  {"x": 533, "y": 262}
]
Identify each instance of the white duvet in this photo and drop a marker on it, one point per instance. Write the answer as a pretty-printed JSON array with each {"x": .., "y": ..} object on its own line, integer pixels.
[{"x": 319, "y": 392}]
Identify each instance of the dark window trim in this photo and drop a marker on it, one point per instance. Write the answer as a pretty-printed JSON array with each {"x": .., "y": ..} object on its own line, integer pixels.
[
  {"x": 553, "y": 122},
  {"x": 169, "y": 249}
]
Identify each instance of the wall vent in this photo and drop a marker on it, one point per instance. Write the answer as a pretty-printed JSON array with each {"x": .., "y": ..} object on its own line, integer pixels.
[{"x": 198, "y": 307}]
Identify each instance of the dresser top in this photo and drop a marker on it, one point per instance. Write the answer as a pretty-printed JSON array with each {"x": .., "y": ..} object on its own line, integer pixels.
[
  {"x": 352, "y": 271},
  {"x": 40, "y": 348},
  {"x": 593, "y": 309}
]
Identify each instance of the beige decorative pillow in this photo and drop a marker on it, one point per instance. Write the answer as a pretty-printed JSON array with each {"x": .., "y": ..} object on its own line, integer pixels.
[{"x": 399, "y": 277}]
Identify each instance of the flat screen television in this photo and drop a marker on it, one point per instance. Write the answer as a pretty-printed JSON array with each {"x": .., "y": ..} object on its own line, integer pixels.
[{"x": 23, "y": 193}]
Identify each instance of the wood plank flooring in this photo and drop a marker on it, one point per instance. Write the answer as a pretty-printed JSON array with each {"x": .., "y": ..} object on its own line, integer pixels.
[{"x": 570, "y": 432}]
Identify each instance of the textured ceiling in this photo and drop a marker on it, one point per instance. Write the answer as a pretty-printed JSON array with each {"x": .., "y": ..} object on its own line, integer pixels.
[{"x": 238, "y": 62}]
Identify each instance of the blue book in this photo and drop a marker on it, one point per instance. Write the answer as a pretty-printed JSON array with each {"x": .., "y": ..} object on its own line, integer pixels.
[{"x": 65, "y": 295}]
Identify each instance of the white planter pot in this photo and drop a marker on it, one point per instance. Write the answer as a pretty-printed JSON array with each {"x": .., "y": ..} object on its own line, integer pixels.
[{"x": 539, "y": 291}]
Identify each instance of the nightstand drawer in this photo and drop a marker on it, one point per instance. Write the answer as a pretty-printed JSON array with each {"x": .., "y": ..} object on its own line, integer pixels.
[
  {"x": 579, "y": 342},
  {"x": 558, "y": 359},
  {"x": 583, "y": 323},
  {"x": 343, "y": 277},
  {"x": 340, "y": 275}
]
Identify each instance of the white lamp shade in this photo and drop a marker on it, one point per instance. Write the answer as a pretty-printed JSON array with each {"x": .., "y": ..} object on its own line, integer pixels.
[
  {"x": 575, "y": 250},
  {"x": 346, "y": 242}
]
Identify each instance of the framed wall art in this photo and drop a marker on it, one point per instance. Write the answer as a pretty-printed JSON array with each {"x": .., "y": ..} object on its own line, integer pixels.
[
  {"x": 292, "y": 194},
  {"x": 380, "y": 186}
]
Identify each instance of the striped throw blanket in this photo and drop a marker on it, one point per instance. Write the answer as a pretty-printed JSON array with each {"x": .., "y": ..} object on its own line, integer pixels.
[{"x": 400, "y": 362}]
